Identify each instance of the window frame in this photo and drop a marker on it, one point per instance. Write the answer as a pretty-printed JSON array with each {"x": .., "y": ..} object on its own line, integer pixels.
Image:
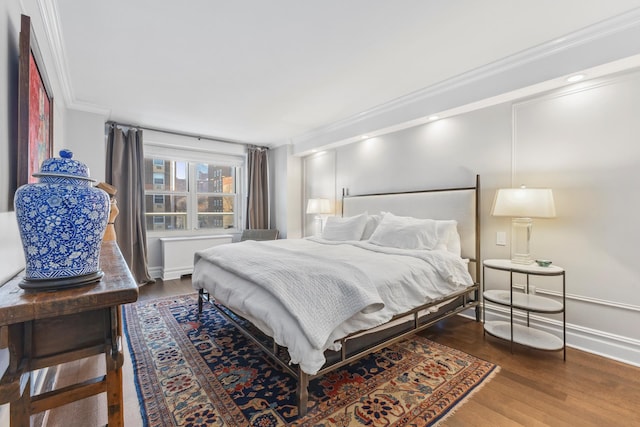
[
  {"x": 235, "y": 158},
  {"x": 194, "y": 215}
]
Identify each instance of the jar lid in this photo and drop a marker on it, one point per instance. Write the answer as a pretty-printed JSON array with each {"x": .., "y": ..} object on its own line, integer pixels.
[{"x": 64, "y": 167}]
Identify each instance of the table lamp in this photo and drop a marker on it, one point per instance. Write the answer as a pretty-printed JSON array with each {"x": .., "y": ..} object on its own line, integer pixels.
[
  {"x": 318, "y": 207},
  {"x": 523, "y": 204}
]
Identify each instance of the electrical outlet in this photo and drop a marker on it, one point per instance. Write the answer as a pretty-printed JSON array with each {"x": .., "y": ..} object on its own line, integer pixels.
[{"x": 501, "y": 238}]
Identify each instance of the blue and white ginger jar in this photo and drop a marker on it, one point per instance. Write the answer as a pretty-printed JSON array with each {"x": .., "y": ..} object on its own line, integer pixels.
[{"x": 62, "y": 220}]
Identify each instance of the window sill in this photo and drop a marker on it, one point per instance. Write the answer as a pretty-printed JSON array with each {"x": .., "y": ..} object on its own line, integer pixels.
[{"x": 191, "y": 233}]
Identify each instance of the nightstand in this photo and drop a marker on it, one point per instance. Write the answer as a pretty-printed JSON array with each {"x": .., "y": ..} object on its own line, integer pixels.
[{"x": 528, "y": 302}]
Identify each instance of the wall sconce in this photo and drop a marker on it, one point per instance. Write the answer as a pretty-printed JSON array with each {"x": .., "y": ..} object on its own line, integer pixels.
[{"x": 523, "y": 204}]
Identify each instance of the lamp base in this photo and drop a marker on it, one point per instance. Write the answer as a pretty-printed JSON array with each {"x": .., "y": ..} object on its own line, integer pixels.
[
  {"x": 318, "y": 226},
  {"x": 521, "y": 236},
  {"x": 522, "y": 260}
]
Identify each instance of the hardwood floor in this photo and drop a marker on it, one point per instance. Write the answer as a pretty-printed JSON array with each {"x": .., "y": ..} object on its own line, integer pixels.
[
  {"x": 536, "y": 388},
  {"x": 533, "y": 388}
]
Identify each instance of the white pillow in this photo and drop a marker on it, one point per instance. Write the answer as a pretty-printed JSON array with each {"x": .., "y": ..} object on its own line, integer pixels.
[
  {"x": 453, "y": 242},
  {"x": 370, "y": 227},
  {"x": 342, "y": 229},
  {"x": 412, "y": 233}
]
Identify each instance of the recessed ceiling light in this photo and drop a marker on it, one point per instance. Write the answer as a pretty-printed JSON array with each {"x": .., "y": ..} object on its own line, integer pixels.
[
  {"x": 364, "y": 137},
  {"x": 575, "y": 78},
  {"x": 314, "y": 151},
  {"x": 433, "y": 118}
]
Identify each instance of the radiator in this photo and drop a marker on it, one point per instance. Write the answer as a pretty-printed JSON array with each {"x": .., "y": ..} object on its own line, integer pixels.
[{"x": 177, "y": 252}]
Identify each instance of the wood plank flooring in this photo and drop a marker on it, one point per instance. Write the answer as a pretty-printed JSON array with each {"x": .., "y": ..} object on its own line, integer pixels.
[
  {"x": 536, "y": 388},
  {"x": 533, "y": 388}
]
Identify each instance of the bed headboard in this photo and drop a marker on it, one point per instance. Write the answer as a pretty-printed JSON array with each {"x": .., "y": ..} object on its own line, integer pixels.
[{"x": 458, "y": 203}]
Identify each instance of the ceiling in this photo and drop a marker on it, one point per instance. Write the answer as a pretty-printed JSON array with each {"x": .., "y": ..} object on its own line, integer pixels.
[{"x": 266, "y": 72}]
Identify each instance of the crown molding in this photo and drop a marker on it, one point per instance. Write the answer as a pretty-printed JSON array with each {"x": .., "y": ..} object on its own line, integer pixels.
[
  {"x": 89, "y": 108},
  {"x": 49, "y": 14},
  {"x": 51, "y": 21},
  {"x": 514, "y": 68}
]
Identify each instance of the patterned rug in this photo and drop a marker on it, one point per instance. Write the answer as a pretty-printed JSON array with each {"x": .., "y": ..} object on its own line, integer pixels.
[{"x": 191, "y": 373}]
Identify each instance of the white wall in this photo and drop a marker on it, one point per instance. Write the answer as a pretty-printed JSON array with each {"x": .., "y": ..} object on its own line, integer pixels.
[
  {"x": 322, "y": 167},
  {"x": 443, "y": 153},
  {"x": 580, "y": 142},
  {"x": 285, "y": 186},
  {"x": 84, "y": 135}
]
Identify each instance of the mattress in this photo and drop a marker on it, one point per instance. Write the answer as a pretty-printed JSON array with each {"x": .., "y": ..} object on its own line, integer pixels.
[{"x": 403, "y": 279}]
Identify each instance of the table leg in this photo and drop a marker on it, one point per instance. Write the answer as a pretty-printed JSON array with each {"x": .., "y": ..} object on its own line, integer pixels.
[
  {"x": 19, "y": 343},
  {"x": 114, "y": 359},
  {"x": 115, "y": 402},
  {"x": 20, "y": 410}
]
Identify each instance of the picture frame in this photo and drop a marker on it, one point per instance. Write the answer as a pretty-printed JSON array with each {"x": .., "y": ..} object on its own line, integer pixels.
[{"x": 35, "y": 107}]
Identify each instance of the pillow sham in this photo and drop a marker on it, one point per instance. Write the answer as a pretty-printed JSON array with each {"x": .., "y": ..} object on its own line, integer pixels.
[
  {"x": 371, "y": 225},
  {"x": 413, "y": 233},
  {"x": 453, "y": 242},
  {"x": 343, "y": 229}
]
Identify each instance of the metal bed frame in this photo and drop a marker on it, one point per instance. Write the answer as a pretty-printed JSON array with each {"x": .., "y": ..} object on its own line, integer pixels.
[{"x": 453, "y": 304}]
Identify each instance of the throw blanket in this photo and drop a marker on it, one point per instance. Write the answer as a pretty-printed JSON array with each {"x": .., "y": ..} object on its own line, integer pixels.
[{"x": 319, "y": 294}]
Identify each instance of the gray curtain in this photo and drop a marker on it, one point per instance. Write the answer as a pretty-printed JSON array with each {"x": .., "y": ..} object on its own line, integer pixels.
[
  {"x": 125, "y": 171},
  {"x": 258, "y": 188}
]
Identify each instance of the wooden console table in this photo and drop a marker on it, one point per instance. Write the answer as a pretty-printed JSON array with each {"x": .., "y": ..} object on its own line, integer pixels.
[{"x": 45, "y": 329}]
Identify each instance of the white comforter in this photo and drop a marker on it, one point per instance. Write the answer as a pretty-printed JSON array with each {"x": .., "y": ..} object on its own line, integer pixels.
[
  {"x": 285, "y": 287},
  {"x": 319, "y": 293}
]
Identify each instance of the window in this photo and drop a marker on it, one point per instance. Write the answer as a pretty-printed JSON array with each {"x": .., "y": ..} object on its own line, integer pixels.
[
  {"x": 215, "y": 192},
  {"x": 190, "y": 195},
  {"x": 192, "y": 185}
]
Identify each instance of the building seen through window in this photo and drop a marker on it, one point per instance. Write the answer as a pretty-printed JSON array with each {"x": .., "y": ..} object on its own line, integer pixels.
[{"x": 182, "y": 195}]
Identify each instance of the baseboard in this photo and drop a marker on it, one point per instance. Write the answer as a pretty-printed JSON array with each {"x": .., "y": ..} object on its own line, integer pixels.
[
  {"x": 621, "y": 349},
  {"x": 611, "y": 346},
  {"x": 155, "y": 272},
  {"x": 175, "y": 273}
]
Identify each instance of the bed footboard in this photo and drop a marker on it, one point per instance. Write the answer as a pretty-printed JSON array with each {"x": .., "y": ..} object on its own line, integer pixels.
[{"x": 459, "y": 302}]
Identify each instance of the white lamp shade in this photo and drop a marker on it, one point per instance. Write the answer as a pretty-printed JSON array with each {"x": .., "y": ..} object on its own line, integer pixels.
[
  {"x": 318, "y": 206},
  {"x": 524, "y": 203}
]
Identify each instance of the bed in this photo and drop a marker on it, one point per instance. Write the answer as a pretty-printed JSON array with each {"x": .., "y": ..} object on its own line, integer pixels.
[{"x": 393, "y": 264}]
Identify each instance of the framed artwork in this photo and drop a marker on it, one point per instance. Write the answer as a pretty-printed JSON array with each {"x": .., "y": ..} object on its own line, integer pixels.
[{"x": 35, "y": 107}]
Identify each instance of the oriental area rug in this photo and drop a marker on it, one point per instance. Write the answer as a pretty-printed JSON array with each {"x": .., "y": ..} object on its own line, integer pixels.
[{"x": 191, "y": 372}]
